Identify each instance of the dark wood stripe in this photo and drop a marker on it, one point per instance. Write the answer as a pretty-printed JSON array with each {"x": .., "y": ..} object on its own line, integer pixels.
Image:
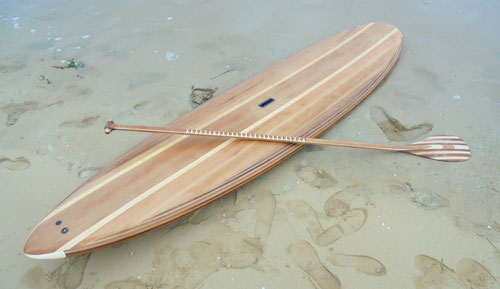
[{"x": 244, "y": 176}]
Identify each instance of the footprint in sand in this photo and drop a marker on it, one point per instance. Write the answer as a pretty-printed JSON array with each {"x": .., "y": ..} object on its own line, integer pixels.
[
  {"x": 394, "y": 130},
  {"x": 238, "y": 250},
  {"x": 208, "y": 259},
  {"x": 265, "y": 205},
  {"x": 306, "y": 216},
  {"x": 335, "y": 208},
  {"x": 338, "y": 204},
  {"x": 304, "y": 256},
  {"x": 474, "y": 275},
  {"x": 363, "y": 264},
  {"x": 188, "y": 267},
  {"x": 470, "y": 274},
  {"x": 354, "y": 195},
  {"x": 13, "y": 66},
  {"x": 81, "y": 123},
  {"x": 263, "y": 201},
  {"x": 315, "y": 177},
  {"x": 68, "y": 276},
  {"x": 430, "y": 200},
  {"x": 15, "y": 110},
  {"x": 435, "y": 274},
  {"x": 19, "y": 164},
  {"x": 348, "y": 223}
]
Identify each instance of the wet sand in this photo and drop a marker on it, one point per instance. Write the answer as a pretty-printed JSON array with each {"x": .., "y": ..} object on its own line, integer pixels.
[{"x": 326, "y": 217}]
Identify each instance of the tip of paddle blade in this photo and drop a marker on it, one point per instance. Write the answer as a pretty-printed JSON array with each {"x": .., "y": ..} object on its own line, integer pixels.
[{"x": 446, "y": 148}]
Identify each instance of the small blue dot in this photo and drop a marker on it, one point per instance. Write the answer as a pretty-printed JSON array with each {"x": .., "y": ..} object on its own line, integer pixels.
[
  {"x": 59, "y": 222},
  {"x": 64, "y": 230}
]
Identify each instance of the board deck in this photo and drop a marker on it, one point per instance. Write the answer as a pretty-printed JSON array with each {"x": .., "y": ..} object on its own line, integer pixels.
[{"x": 168, "y": 176}]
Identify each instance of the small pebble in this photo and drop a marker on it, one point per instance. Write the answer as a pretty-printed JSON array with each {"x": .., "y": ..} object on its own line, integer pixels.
[
  {"x": 57, "y": 39},
  {"x": 169, "y": 18},
  {"x": 77, "y": 48},
  {"x": 170, "y": 56},
  {"x": 85, "y": 36},
  {"x": 84, "y": 174},
  {"x": 62, "y": 61},
  {"x": 489, "y": 227},
  {"x": 457, "y": 97}
]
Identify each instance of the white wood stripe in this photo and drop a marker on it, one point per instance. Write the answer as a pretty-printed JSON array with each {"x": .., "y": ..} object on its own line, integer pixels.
[
  {"x": 433, "y": 147},
  {"x": 141, "y": 197},
  {"x": 451, "y": 158},
  {"x": 425, "y": 152},
  {"x": 180, "y": 138},
  {"x": 111, "y": 178},
  {"x": 461, "y": 147},
  {"x": 440, "y": 141},
  {"x": 300, "y": 96},
  {"x": 444, "y": 137},
  {"x": 158, "y": 186}
]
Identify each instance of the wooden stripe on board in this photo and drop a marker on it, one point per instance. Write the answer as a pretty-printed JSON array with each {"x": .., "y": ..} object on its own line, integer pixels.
[
  {"x": 104, "y": 182},
  {"x": 158, "y": 186}
]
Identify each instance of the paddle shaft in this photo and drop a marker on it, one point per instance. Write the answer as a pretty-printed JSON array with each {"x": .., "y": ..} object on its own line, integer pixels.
[{"x": 110, "y": 126}]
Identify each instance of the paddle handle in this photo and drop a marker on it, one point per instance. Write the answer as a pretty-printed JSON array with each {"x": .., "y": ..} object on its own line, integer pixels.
[{"x": 111, "y": 126}]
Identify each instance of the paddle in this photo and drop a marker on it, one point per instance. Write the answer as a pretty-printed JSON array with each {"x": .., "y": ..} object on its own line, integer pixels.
[{"x": 442, "y": 147}]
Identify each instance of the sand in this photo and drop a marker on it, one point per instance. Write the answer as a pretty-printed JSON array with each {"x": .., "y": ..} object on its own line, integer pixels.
[{"x": 325, "y": 218}]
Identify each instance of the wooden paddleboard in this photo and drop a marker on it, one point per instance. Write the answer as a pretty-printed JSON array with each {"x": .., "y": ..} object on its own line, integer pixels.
[{"x": 168, "y": 176}]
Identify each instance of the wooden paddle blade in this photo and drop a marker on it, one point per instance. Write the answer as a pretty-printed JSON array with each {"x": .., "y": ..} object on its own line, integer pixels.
[{"x": 445, "y": 148}]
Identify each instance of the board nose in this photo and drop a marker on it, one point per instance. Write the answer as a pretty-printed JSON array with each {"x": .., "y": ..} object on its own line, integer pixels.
[{"x": 46, "y": 239}]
